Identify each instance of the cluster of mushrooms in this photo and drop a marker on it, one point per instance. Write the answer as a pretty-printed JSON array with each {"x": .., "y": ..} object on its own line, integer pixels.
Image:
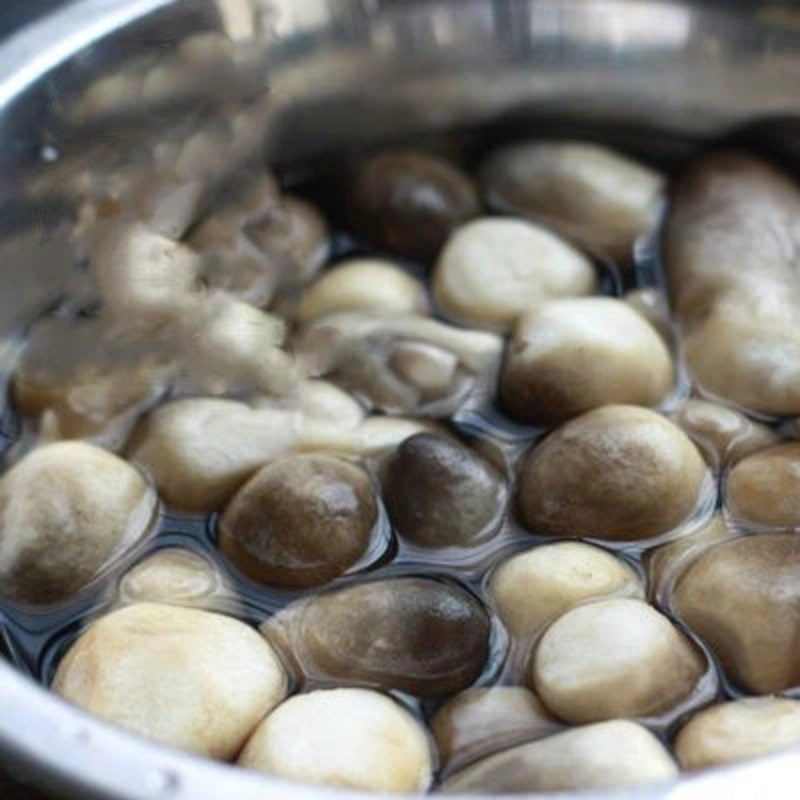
[{"x": 634, "y": 526}]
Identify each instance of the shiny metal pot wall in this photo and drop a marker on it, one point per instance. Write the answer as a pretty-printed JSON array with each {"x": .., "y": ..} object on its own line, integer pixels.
[{"x": 340, "y": 72}]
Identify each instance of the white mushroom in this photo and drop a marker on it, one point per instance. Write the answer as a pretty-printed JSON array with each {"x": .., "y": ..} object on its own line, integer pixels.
[
  {"x": 477, "y": 722},
  {"x": 586, "y": 191},
  {"x": 68, "y": 509},
  {"x": 356, "y": 739},
  {"x": 735, "y": 731},
  {"x": 175, "y": 576},
  {"x": 186, "y": 678},
  {"x": 531, "y": 589},
  {"x": 570, "y": 356},
  {"x": 363, "y": 284},
  {"x": 616, "y": 473},
  {"x": 402, "y": 364},
  {"x": 607, "y": 755},
  {"x": 652, "y": 305},
  {"x": 492, "y": 269},
  {"x": 614, "y": 658}
]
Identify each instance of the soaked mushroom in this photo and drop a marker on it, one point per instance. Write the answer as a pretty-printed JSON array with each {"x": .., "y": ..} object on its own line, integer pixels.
[
  {"x": 89, "y": 378},
  {"x": 409, "y": 202},
  {"x": 402, "y": 364},
  {"x": 363, "y": 284},
  {"x": 199, "y": 451},
  {"x": 727, "y": 434},
  {"x": 533, "y": 588},
  {"x": 175, "y": 576},
  {"x": 440, "y": 493},
  {"x": 667, "y": 563},
  {"x": 741, "y": 597},
  {"x": 299, "y": 521},
  {"x": 651, "y": 304},
  {"x": 738, "y": 730},
  {"x": 618, "y": 472},
  {"x": 492, "y": 269},
  {"x": 606, "y": 755},
  {"x": 762, "y": 488},
  {"x": 419, "y": 635},
  {"x": 729, "y": 243},
  {"x": 68, "y": 509},
  {"x": 186, "y": 678},
  {"x": 570, "y": 356},
  {"x": 324, "y": 401},
  {"x": 350, "y": 738},
  {"x": 477, "y": 722},
  {"x": 614, "y": 658},
  {"x": 587, "y": 192}
]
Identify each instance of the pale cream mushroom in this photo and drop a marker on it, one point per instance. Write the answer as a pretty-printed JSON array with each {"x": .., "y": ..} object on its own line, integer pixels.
[
  {"x": 409, "y": 201},
  {"x": 300, "y": 521},
  {"x": 665, "y": 564},
  {"x": 738, "y": 730},
  {"x": 492, "y": 269},
  {"x": 355, "y": 739},
  {"x": 402, "y": 364},
  {"x": 419, "y": 635},
  {"x": 180, "y": 676},
  {"x": 618, "y": 473},
  {"x": 175, "y": 576},
  {"x": 90, "y": 378},
  {"x": 588, "y": 192},
  {"x": 533, "y": 588},
  {"x": 614, "y": 658},
  {"x": 729, "y": 243},
  {"x": 741, "y": 597},
  {"x": 199, "y": 451},
  {"x": 439, "y": 493},
  {"x": 69, "y": 509},
  {"x": 762, "y": 488},
  {"x": 652, "y": 305},
  {"x": 726, "y": 434},
  {"x": 570, "y": 356},
  {"x": 477, "y": 722},
  {"x": 607, "y": 755},
  {"x": 363, "y": 284}
]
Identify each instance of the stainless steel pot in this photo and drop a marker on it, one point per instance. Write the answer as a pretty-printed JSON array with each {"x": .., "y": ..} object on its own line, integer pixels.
[{"x": 345, "y": 72}]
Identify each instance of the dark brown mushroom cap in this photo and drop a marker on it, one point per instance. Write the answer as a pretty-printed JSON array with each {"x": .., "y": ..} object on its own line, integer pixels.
[
  {"x": 439, "y": 493},
  {"x": 409, "y": 202},
  {"x": 300, "y": 521}
]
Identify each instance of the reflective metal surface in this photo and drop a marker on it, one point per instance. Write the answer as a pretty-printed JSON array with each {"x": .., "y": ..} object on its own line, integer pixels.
[{"x": 340, "y": 74}]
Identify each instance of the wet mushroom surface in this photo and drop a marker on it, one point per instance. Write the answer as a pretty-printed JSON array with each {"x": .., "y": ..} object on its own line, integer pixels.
[{"x": 469, "y": 465}]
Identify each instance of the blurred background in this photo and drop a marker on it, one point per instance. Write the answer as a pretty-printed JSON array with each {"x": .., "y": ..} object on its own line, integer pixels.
[{"x": 14, "y": 13}]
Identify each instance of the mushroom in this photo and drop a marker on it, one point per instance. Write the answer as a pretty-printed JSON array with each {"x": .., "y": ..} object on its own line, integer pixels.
[
  {"x": 738, "y": 730},
  {"x": 531, "y": 589},
  {"x": 440, "y": 493},
  {"x": 477, "y": 722},
  {"x": 585, "y": 191},
  {"x": 351, "y": 738},
  {"x": 180, "y": 676},
  {"x": 402, "y": 364},
  {"x": 492, "y": 269},
  {"x": 570, "y": 356},
  {"x": 363, "y": 284},
  {"x": 730, "y": 240},
  {"x": 175, "y": 576},
  {"x": 665, "y": 564},
  {"x": 619, "y": 473},
  {"x": 300, "y": 521},
  {"x": 741, "y": 597},
  {"x": 652, "y": 305},
  {"x": 90, "y": 378},
  {"x": 762, "y": 488},
  {"x": 607, "y": 755},
  {"x": 614, "y": 658},
  {"x": 409, "y": 201},
  {"x": 68, "y": 510},
  {"x": 419, "y": 635},
  {"x": 725, "y": 433}
]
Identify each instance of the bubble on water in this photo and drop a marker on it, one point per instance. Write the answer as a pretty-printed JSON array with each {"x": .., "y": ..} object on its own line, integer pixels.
[{"x": 49, "y": 154}]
